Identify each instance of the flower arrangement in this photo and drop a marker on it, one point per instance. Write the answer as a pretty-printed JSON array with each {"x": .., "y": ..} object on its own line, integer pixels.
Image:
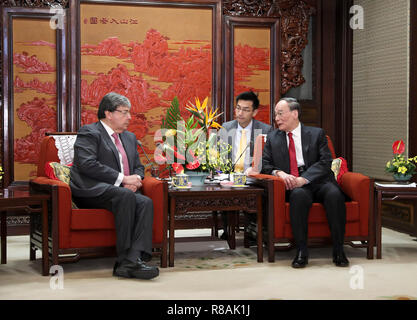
[
  {"x": 192, "y": 142},
  {"x": 402, "y": 168}
]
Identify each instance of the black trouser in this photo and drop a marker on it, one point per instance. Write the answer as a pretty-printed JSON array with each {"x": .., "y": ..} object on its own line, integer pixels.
[
  {"x": 333, "y": 200},
  {"x": 133, "y": 219}
]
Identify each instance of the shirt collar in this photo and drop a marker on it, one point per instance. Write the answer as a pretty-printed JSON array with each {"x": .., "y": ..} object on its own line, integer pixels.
[
  {"x": 247, "y": 128},
  {"x": 297, "y": 131},
  {"x": 109, "y": 130}
]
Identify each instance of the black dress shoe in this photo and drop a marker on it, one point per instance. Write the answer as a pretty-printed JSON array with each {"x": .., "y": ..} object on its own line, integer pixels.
[
  {"x": 340, "y": 260},
  {"x": 300, "y": 260},
  {"x": 138, "y": 270},
  {"x": 146, "y": 257}
]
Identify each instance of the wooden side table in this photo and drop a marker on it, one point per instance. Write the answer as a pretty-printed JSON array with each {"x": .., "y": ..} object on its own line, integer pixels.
[
  {"x": 215, "y": 198},
  {"x": 13, "y": 198},
  {"x": 388, "y": 193}
]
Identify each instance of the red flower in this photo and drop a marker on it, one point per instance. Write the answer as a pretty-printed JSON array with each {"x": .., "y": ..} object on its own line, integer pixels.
[
  {"x": 178, "y": 168},
  {"x": 398, "y": 147},
  {"x": 194, "y": 165}
]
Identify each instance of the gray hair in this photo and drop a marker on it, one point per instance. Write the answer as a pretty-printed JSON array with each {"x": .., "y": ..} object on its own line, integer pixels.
[
  {"x": 110, "y": 102},
  {"x": 293, "y": 104}
]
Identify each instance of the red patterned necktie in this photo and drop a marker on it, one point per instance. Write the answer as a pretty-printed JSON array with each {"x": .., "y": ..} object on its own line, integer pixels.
[
  {"x": 119, "y": 146},
  {"x": 293, "y": 156}
]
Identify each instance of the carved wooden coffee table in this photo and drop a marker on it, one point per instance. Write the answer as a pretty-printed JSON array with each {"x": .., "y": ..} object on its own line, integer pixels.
[{"x": 214, "y": 198}]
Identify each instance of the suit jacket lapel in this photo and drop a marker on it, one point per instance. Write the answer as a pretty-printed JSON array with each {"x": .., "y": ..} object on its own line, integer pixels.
[
  {"x": 107, "y": 140},
  {"x": 283, "y": 149},
  {"x": 305, "y": 142}
]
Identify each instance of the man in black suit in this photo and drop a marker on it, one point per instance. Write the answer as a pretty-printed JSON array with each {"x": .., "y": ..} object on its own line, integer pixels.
[
  {"x": 107, "y": 173},
  {"x": 301, "y": 157},
  {"x": 241, "y": 134}
]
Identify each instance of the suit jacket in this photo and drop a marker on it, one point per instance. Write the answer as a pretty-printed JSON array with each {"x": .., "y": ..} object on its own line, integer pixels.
[
  {"x": 96, "y": 163},
  {"x": 316, "y": 154},
  {"x": 256, "y": 125}
]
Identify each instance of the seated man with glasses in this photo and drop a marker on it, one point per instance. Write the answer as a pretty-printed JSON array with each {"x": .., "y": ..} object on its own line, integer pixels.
[
  {"x": 300, "y": 155},
  {"x": 241, "y": 134},
  {"x": 107, "y": 173}
]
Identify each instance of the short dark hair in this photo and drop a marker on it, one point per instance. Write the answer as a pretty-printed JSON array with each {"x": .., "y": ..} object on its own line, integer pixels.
[
  {"x": 110, "y": 102},
  {"x": 249, "y": 96},
  {"x": 293, "y": 104}
]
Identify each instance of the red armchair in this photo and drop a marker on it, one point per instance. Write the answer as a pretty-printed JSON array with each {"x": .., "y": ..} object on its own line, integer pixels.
[
  {"x": 359, "y": 214},
  {"x": 78, "y": 233}
]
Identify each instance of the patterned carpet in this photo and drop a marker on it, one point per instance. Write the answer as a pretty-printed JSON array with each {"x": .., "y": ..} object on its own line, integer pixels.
[
  {"x": 215, "y": 260},
  {"x": 210, "y": 271}
]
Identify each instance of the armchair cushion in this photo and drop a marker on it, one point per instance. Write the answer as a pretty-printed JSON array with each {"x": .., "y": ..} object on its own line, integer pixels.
[
  {"x": 57, "y": 171},
  {"x": 92, "y": 219}
]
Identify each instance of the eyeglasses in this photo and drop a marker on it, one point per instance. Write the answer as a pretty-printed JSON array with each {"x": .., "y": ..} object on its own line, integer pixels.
[
  {"x": 281, "y": 113},
  {"x": 123, "y": 112},
  {"x": 245, "y": 110}
]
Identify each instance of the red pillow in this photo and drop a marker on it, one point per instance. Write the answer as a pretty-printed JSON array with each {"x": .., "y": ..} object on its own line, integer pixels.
[{"x": 339, "y": 168}]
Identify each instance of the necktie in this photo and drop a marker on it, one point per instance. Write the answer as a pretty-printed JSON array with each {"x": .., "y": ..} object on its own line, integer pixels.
[
  {"x": 293, "y": 156},
  {"x": 242, "y": 145},
  {"x": 119, "y": 146}
]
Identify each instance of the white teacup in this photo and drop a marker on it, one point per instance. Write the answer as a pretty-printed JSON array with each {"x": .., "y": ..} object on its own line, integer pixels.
[
  {"x": 180, "y": 180},
  {"x": 239, "y": 179}
]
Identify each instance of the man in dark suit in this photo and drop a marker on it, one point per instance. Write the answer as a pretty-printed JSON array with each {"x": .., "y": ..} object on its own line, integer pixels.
[
  {"x": 107, "y": 173},
  {"x": 241, "y": 134},
  {"x": 301, "y": 157}
]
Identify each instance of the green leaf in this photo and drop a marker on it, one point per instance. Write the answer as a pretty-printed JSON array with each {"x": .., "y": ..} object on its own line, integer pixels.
[{"x": 173, "y": 115}]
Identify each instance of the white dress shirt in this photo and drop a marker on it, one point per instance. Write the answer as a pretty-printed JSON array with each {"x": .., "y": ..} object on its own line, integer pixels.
[
  {"x": 248, "y": 129},
  {"x": 296, "y": 135},
  {"x": 110, "y": 131}
]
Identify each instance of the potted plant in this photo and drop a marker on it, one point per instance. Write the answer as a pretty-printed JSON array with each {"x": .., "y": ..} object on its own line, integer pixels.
[
  {"x": 401, "y": 167},
  {"x": 192, "y": 145}
]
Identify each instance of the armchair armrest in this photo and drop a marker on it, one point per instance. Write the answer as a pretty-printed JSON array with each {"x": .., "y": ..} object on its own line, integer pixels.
[
  {"x": 157, "y": 190},
  {"x": 276, "y": 217},
  {"x": 61, "y": 205},
  {"x": 356, "y": 185},
  {"x": 360, "y": 189}
]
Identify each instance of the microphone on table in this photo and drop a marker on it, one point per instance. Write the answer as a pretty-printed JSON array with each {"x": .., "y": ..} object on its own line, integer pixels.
[{"x": 241, "y": 154}]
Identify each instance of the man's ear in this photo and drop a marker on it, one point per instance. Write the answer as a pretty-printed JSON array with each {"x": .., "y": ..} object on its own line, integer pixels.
[
  {"x": 255, "y": 112},
  {"x": 108, "y": 114}
]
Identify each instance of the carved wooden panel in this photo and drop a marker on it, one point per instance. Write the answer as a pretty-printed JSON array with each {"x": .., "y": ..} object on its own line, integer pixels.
[
  {"x": 295, "y": 18},
  {"x": 255, "y": 8},
  {"x": 33, "y": 87},
  {"x": 246, "y": 203},
  {"x": 34, "y": 3},
  {"x": 252, "y": 62}
]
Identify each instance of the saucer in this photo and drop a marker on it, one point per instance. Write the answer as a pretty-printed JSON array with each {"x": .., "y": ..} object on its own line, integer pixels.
[
  {"x": 185, "y": 187},
  {"x": 239, "y": 186}
]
